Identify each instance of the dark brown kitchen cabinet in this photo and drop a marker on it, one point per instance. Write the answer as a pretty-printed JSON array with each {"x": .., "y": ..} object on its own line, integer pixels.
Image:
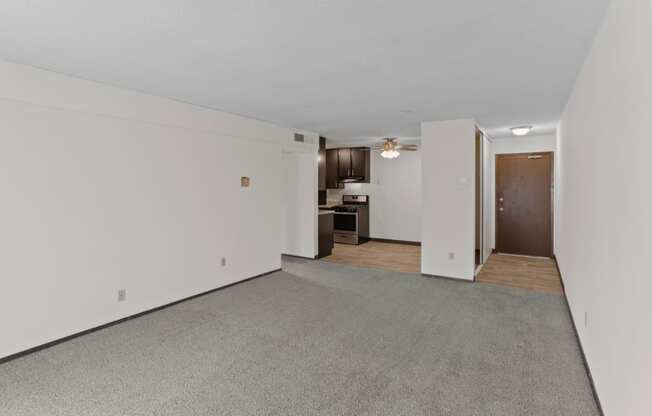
[
  {"x": 354, "y": 164},
  {"x": 322, "y": 165},
  {"x": 358, "y": 165},
  {"x": 367, "y": 165},
  {"x": 344, "y": 160},
  {"x": 325, "y": 228},
  {"x": 332, "y": 166},
  {"x": 349, "y": 164}
]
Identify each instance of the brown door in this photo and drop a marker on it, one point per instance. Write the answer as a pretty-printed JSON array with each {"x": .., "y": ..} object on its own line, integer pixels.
[{"x": 524, "y": 204}]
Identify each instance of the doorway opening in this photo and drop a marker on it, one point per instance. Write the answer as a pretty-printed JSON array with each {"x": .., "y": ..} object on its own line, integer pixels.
[{"x": 524, "y": 204}]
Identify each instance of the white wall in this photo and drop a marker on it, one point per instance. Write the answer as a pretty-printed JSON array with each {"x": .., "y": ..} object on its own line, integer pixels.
[
  {"x": 604, "y": 244},
  {"x": 104, "y": 189},
  {"x": 394, "y": 196},
  {"x": 525, "y": 144},
  {"x": 559, "y": 186},
  {"x": 299, "y": 201},
  {"x": 448, "y": 195}
]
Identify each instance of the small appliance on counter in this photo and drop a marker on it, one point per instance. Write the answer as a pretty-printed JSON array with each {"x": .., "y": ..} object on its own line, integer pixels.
[{"x": 351, "y": 220}]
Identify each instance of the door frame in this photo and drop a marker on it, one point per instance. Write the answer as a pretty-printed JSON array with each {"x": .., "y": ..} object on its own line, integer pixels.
[
  {"x": 478, "y": 244},
  {"x": 552, "y": 197}
]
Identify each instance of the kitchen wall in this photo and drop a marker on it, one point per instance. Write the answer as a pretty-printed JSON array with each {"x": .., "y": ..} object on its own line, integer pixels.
[
  {"x": 604, "y": 242},
  {"x": 448, "y": 195},
  {"x": 106, "y": 189},
  {"x": 394, "y": 196},
  {"x": 506, "y": 145}
]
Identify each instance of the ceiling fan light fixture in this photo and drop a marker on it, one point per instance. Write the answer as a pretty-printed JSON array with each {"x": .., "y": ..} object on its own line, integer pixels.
[
  {"x": 390, "y": 154},
  {"x": 521, "y": 130}
]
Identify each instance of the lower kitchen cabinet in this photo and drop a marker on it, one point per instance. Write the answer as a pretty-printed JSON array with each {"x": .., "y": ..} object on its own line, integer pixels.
[{"x": 326, "y": 243}]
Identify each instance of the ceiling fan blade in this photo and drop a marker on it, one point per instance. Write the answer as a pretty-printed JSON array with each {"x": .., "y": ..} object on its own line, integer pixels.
[{"x": 409, "y": 147}]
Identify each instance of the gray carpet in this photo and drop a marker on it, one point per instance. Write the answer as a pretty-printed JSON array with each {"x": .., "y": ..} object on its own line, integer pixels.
[{"x": 319, "y": 338}]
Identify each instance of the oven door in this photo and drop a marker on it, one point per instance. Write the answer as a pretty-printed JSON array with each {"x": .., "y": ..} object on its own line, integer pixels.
[{"x": 346, "y": 222}]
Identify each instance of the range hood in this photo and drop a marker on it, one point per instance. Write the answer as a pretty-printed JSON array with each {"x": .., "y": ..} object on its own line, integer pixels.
[{"x": 352, "y": 179}]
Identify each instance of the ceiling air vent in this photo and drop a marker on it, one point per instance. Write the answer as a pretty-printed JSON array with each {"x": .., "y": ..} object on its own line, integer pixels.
[{"x": 299, "y": 138}]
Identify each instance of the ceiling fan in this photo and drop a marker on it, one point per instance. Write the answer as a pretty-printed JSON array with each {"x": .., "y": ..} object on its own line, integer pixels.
[{"x": 390, "y": 147}]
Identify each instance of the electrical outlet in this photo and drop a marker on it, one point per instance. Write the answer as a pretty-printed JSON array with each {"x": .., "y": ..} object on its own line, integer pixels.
[
  {"x": 451, "y": 256},
  {"x": 223, "y": 262},
  {"x": 122, "y": 295}
]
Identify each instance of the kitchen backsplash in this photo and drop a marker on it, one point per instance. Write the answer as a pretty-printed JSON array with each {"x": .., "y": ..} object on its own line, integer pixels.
[{"x": 334, "y": 196}]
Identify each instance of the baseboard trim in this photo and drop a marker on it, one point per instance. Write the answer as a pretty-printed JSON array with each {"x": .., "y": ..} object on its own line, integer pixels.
[
  {"x": 563, "y": 288},
  {"x": 405, "y": 242},
  {"x": 299, "y": 257},
  {"x": 121, "y": 320},
  {"x": 579, "y": 341},
  {"x": 454, "y": 279}
]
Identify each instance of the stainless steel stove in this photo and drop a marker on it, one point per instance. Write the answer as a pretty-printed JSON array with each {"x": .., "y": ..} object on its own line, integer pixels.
[{"x": 352, "y": 220}]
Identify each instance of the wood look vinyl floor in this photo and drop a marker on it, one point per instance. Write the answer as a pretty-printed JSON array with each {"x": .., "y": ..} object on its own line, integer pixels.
[
  {"x": 378, "y": 255},
  {"x": 531, "y": 273}
]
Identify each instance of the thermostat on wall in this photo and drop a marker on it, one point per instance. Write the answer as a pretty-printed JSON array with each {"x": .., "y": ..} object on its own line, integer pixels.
[{"x": 245, "y": 181}]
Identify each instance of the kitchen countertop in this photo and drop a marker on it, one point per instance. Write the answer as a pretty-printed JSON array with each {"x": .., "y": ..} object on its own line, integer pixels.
[
  {"x": 329, "y": 206},
  {"x": 325, "y": 212}
]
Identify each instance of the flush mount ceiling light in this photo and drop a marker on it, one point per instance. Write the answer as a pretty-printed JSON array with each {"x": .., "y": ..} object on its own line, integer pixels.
[{"x": 521, "y": 130}]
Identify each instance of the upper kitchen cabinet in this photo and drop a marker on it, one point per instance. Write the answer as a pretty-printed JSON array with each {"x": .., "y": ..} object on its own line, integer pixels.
[
  {"x": 332, "y": 169},
  {"x": 347, "y": 165},
  {"x": 321, "y": 183},
  {"x": 354, "y": 164},
  {"x": 360, "y": 163},
  {"x": 344, "y": 163}
]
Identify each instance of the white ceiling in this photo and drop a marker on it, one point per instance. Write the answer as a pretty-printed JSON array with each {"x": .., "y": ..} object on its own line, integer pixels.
[{"x": 344, "y": 68}]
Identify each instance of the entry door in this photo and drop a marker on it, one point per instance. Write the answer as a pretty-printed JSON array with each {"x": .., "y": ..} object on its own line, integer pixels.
[{"x": 524, "y": 204}]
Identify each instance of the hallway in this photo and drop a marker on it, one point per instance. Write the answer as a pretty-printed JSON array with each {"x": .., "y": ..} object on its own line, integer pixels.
[{"x": 532, "y": 273}]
